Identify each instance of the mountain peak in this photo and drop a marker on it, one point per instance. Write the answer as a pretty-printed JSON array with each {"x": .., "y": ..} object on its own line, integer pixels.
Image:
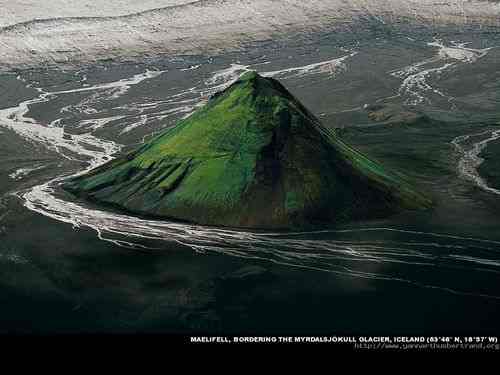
[
  {"x": 261, "y": 85},
  {"x": 252, "y": 157},
  {"x": 251, "y": 75}
]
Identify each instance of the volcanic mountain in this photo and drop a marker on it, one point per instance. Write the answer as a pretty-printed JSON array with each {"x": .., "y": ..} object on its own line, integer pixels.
[{"x": 252, "y": 157}]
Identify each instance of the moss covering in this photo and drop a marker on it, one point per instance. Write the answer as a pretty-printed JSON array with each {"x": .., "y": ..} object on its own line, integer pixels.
[{"x": 255, "y": 157}]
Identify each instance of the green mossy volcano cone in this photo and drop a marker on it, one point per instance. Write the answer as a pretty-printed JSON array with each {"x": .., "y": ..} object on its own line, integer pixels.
[{"x": 253, "y": 157}]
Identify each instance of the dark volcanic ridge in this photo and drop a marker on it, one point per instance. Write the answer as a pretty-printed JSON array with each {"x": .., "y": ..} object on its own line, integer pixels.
[{"x": 253, "y": 157}]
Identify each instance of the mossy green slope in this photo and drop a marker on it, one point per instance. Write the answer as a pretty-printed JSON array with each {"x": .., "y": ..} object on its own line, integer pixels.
[{"x": 252, "y": 157}]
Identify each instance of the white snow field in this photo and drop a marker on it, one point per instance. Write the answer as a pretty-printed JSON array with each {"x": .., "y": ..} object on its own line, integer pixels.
[
  {"x": 66, "y": 31},
  {"x": 17, "y": 11}
]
